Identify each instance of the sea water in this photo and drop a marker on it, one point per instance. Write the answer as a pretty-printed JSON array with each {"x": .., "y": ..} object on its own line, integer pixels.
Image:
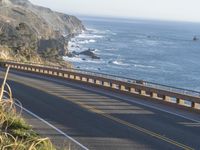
[{"x": 156, "y": 51}]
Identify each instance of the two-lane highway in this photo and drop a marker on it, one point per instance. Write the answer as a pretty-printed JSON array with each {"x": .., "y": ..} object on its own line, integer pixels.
[{"x": 106, "y": 120}]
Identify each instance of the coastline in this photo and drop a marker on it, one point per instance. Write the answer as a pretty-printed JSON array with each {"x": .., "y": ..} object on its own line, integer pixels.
[{"x": 148, "y": 53}]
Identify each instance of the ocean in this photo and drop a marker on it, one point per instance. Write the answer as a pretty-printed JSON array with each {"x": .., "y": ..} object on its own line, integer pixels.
[{"x": 157, "y": 51}]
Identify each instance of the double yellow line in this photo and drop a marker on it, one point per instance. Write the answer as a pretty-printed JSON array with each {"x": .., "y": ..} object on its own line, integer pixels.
[
  {"x": 153, "y": 134},
  {"x": 148, "y": 132}
]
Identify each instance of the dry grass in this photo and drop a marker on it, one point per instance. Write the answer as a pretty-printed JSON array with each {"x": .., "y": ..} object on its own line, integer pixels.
[
  {"x": 15, "y": 133},
  {"x": 5, "y": 53}
]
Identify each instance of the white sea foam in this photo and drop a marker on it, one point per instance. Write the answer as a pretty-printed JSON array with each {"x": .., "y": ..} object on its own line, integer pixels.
[
  {"x": 92, "y": 30},
  {"x": 92, "y": 41},
  {"x": 73, "y": 59},
  {"x": 143, "y": 66},
  {"x": 101, "y": 32},
  {"x": 95, "y": 31},
  {"x": 89, "y": 36},
  {"x": 118, "y": 62},
  {"x": 96, "y": 50},
  {"x": 94, "y": 61},
  {"x": 86, "y": 41},
  {"x": 83, "y": 59},
  {"x": 111, "y": 49}
]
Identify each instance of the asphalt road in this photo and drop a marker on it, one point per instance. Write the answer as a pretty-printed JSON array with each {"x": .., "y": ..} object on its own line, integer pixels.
[{"x": 105, "y": 120}]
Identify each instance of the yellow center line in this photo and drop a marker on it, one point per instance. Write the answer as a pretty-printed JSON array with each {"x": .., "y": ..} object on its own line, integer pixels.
[{"x": 151, "y": 133}]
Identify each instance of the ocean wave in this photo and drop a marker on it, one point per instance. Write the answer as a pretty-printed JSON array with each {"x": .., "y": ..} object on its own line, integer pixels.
[
  {"x": 152, "y": 43},
  {"x": 118, "y": 62},
  {"x": 92, "y": 30},
  {"x": 89, "y": 36},
  {"x": 101, "y": 32},
  {"x": 111, "y": 49},
  {"x": 143, "y": 66},
  {"x": 95, "y": 31},
  {"x": 96, "y": 50},
  {"x": 146, "y": 42},
  {"x": 73, "y": 59},
  {"x": 86, "y": 41},
  {"x": 94, "y": 61},
  {"x": 83, "y": 59}
]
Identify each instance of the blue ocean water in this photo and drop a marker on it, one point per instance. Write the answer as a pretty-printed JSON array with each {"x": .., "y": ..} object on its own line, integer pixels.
[{"x": 155, "y": 51}]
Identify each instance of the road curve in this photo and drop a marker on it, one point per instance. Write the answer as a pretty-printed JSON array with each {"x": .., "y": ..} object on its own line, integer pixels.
[{"x": 105, "y": 120}]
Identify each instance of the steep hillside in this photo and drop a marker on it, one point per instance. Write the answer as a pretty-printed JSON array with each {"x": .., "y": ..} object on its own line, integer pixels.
[{"x": 28, "y": 31}]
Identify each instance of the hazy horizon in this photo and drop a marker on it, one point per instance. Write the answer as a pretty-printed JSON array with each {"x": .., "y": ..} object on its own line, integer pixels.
[
  {"x": 171, "y": 10},
  {"x": 117, "y": 18}
]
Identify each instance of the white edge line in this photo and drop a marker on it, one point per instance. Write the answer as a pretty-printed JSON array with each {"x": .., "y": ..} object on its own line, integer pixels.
[{"x": 52, "y": 126}]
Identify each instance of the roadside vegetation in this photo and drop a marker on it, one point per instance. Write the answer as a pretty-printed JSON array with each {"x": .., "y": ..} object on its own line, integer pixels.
[
  {"x": 6, "y": 54},
  {"x": 15, "y": 133}
]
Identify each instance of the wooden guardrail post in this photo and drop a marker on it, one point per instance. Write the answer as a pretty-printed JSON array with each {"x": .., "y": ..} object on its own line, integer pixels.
[
  {"x": 154, "y": 95},
  {"x": 167, "y": 98},
  {"x": 195, "y": 105},
  {"x": 180, "y": 101}
]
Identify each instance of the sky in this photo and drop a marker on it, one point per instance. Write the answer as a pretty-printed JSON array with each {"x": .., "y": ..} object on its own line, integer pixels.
[{"x": 178, "y": 10}]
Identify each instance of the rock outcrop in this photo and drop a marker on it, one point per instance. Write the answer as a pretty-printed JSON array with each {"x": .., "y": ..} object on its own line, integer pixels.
[
  {"x": 30, "y": 30},
  {"x": 90, "y": 53}
]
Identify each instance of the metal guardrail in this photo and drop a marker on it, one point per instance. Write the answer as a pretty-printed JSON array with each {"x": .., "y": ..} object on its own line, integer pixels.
[
  {"x": 146, "y": 83},
  {"x": 133, "y": 86},
  {"x": 31, "y": 63},
  {"x": 123, "y": 79}
]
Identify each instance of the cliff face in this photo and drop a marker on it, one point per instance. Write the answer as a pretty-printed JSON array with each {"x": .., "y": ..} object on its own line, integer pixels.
[{"x": 29, "y": 30}]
